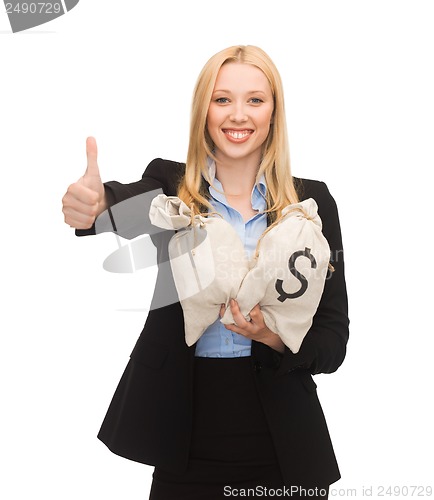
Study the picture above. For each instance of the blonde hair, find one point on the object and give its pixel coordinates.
(275, 163)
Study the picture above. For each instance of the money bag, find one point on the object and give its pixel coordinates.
(207, 259)
(287, 274)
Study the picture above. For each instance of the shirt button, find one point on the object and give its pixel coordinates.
(226, 341)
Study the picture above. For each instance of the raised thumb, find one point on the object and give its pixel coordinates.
(92, 178)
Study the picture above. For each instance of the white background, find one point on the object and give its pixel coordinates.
(359, 83)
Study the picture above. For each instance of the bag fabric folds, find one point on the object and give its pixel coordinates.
(207, 259)
(286, 277)
(287, 274)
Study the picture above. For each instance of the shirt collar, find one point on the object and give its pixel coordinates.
(261, 188)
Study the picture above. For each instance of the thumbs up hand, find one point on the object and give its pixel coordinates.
(85, 199)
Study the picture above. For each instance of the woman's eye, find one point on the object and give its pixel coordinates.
(256, 100)
(222, 100)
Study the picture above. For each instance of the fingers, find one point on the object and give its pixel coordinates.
(78, 220)
(239, 319)
(255, 314)
(255, 329)
(242, 326)
(78, 193)
(80, 206)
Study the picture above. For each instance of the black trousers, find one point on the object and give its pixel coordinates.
(231, 449)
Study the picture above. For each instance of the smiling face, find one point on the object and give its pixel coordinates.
(240, 112)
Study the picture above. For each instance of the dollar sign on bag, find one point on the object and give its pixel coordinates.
(304, 284)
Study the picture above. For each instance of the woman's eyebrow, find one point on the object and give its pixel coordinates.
(248, 92)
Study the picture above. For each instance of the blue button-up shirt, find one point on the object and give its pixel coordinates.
(217, 341)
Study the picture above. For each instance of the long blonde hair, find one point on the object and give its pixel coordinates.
(275, 163)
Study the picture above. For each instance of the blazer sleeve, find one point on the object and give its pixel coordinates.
(324, 346)
(128, 204)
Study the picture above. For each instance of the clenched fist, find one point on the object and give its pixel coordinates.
(85, 199)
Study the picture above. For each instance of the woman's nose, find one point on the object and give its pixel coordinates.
(238, 113)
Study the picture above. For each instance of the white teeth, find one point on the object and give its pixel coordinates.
(237, 135)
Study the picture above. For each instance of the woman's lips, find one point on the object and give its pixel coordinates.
(237, 135)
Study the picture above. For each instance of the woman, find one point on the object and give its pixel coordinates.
(237, 412)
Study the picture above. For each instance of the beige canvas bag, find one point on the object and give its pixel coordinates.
(207, 259)
(287, 274)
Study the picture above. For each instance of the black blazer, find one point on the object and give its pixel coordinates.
(149, 419)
